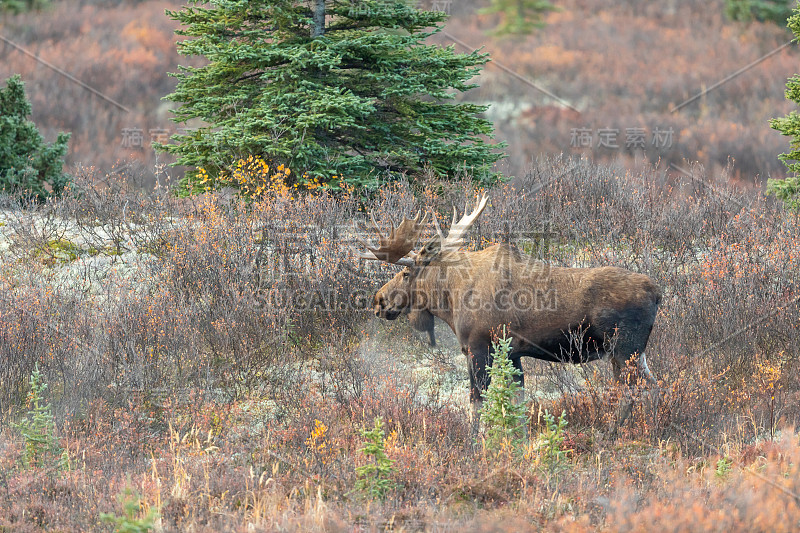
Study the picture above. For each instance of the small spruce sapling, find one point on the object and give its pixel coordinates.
(375, 477)
(723, 467)
(503, 418)
(38, 428)
(133, 520)
(551, 452)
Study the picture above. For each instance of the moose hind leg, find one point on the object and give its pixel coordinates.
(654, 394)
(628, 384)
(645, 370)
(622, 387)
(616, 367)
(623, 411)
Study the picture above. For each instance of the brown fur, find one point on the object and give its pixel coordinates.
(422, 320)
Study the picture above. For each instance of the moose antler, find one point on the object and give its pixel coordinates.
(396, 248)
(455, 237)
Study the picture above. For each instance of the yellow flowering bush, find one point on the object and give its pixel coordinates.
(255, 177)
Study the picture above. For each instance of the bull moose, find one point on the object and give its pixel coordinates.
(556, 314)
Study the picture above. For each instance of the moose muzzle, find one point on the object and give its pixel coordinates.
(381, 310)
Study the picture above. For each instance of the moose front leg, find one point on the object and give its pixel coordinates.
(519, 378)
(478, 382)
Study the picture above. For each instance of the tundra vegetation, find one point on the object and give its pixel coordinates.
(218, 361)
(214, 364)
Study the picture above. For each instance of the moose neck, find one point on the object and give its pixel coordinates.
(442, 283)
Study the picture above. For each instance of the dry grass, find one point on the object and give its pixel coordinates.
(217, 358)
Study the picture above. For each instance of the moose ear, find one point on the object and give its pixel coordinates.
(430, 250)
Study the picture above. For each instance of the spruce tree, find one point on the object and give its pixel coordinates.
(777, 11)
(28, 165)
(15, 7)
(788, 190)
(518, 17)
(343, 93)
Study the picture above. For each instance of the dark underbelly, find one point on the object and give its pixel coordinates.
(562, 351)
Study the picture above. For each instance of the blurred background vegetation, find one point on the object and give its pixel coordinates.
(621, 66)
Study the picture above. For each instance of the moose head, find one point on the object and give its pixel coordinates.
(403, 294)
